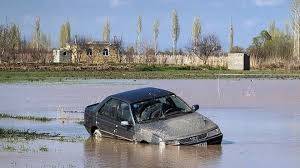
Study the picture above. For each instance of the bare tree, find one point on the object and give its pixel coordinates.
(148, 52)
(36, 41)
(10, 38)
(39, 40)
(5, 42)
(15, 37)
(196, 35)
(295, 14)
(287, 29)
(81, 39)
(15, 49)
(65, 34)
(139, 32)
(68, 32)
(81, 46)
(156, 25)
(48, 40)
(119, 44)
(210, 46)
(237, 49)
(106, 30)
(129, 53)
(62, 36)
(175, 30)
(231, 37)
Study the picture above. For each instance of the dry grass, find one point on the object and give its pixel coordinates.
(42, 119)
(26, 134)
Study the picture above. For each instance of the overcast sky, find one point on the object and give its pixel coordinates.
(87, 16)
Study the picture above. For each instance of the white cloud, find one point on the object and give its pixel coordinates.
(268, 2)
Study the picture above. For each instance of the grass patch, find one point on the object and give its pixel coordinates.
(80, 122)
(144, 67)
(71, 139)
(141, 71)
(44, 149)
(9, 148)
(42, 119)
(23, 148)
(26, 134)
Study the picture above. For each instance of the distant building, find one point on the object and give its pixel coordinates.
(91, 52)
(62, 56)
(238, 61)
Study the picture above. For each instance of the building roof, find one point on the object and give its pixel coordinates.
(143, 94)
(92, 43)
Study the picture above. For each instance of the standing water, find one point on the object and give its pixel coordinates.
(260, 120)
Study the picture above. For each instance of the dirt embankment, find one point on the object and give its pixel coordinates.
(64, 67)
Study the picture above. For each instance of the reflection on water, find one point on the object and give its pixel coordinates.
(105, 152)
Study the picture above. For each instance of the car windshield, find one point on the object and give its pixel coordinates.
(159, 108)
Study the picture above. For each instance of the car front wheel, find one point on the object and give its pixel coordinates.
(97, 134)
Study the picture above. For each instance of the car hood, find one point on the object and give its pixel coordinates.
(179, 127)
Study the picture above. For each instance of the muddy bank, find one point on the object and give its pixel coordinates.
(63, 67)
(101, 67)
(22, 73)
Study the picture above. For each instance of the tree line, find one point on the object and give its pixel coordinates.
(201, 46)
(16, 48)
(271, 45)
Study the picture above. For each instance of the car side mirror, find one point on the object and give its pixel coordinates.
(196, 107)
(125, 123)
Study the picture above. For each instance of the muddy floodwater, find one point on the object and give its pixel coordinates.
(260, 120)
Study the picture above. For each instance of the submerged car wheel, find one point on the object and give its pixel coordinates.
(97, 133)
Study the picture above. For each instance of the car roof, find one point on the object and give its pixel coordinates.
(142, 94)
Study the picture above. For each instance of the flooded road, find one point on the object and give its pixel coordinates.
(260, 120)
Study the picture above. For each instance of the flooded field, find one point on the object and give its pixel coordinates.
(260, 120)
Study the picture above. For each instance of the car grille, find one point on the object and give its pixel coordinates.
(193, 140)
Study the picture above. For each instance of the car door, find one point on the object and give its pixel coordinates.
(106, 118)
(124, 114)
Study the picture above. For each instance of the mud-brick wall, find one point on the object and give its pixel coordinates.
(175, 60)
(80, 55)
(99, 58)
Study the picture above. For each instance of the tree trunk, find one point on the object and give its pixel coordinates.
(174, 47)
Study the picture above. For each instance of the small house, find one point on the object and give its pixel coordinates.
(90, 52)
(61, 56)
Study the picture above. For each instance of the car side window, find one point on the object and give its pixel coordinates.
(123, 113)
(116, 110)
(110, 108)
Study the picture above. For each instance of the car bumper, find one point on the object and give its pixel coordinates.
(216, 140)
(212, 140)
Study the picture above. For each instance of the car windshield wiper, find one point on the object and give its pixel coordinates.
(176, 113)
(149, 121)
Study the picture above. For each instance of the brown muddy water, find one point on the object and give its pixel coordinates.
(260, 120)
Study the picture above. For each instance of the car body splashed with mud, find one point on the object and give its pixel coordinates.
(151, 115)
